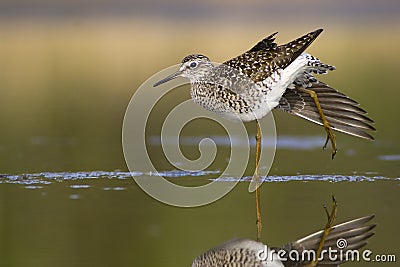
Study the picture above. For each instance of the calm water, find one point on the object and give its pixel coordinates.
(104, 219)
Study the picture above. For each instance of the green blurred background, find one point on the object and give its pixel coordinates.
(68, 70)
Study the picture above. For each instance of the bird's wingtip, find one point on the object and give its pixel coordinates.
(318, 31)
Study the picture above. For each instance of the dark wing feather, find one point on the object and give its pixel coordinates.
(268, 43)
(342, 112)
(266, 57)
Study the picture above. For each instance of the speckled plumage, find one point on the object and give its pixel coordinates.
(270, 76)
(251, 84)
(234, 257)
(245, 252)
(266, 57)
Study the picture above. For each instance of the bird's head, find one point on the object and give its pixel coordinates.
(192, 67)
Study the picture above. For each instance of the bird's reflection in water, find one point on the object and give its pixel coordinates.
(341, 245)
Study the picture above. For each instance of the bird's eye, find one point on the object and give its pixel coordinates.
(193, 64)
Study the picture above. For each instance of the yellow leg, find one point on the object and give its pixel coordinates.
(258, 204)
(327, 230)
(330, 135)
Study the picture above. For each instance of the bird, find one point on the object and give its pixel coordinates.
(343, 240)
(270, 76)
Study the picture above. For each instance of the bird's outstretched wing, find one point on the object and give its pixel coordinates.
(266, 57)
(353, 235)
(343, 113)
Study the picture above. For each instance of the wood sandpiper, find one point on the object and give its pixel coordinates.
(281, 77)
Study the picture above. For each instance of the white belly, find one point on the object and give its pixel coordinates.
(277, 84)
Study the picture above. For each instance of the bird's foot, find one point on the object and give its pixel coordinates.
(328, 128)
(328, 227)
(330, 136)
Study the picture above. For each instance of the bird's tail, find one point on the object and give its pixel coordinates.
(343, 113)
(346, 237)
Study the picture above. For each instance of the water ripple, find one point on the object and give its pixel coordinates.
(45, 178)
(38, 180)
(389, 157)
(308, 178)
(284, 141)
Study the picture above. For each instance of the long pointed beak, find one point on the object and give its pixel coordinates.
(168, 78)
